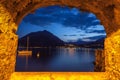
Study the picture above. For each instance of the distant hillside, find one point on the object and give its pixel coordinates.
(91, 44)
(97, 44)
(101, 40)
(41, 38)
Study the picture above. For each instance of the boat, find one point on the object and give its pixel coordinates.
(26, 52)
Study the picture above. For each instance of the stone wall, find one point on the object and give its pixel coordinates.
(13, 11)
(103, 9)
(8, 44)
(112, 56)
(58, 76)
(99, 61)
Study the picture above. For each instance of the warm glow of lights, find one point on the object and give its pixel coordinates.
(38, 55)
(71, 51)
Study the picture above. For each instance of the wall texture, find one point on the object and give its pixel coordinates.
(99, 61)
(13, 11)
(8, 44)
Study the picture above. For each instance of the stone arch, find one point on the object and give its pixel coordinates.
(12, 12)
(99, 8)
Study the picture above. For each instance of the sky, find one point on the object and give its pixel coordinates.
(69, 24)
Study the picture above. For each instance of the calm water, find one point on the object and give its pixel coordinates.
(57, 59)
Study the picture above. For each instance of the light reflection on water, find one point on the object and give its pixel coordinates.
(57, 59)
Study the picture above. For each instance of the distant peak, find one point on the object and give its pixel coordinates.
(45, 31)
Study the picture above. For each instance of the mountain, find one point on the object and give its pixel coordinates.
(91, 44)
(96, 44)
(80, 42)
(101, 40)
(41, 39)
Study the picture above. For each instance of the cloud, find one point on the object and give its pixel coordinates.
(82, 35)
(69, 17)
(95, 31)
(39, 20)
(94, 37)
(80, 21)
(71, 35)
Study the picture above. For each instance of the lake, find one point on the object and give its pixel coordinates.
(57, 60)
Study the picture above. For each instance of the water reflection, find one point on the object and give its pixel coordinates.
(57, 59)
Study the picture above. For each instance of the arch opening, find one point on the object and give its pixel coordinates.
(82, 30)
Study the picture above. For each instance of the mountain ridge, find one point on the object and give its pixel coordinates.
(41, 38)
(46, 39)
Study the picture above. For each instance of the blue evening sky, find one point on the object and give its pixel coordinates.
(69, 24)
